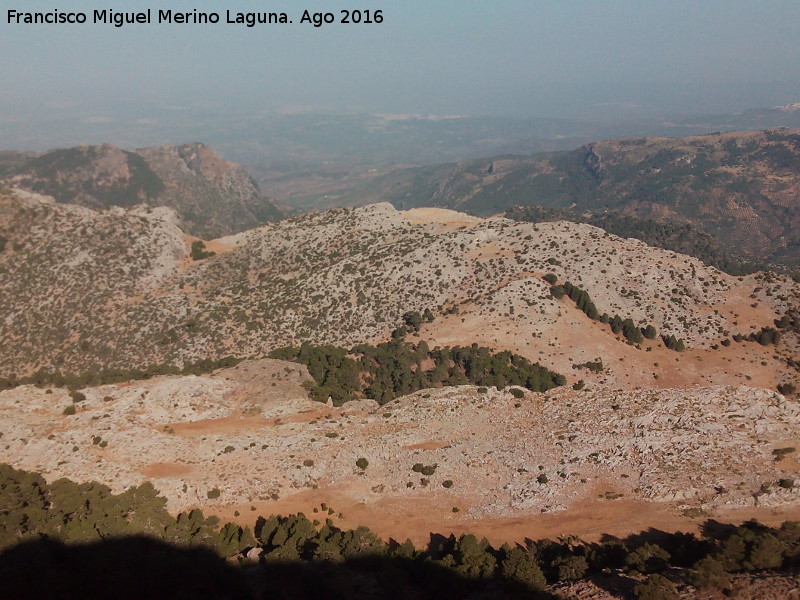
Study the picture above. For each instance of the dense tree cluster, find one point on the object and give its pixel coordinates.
(673, 343)
(595, 366)
(110, 375)
(64, 511)
(582, 300)
(397, 367)
(765, 337)
(31, 508)
(709, 561)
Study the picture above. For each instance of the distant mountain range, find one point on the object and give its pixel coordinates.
(742, 188)
(212, 197)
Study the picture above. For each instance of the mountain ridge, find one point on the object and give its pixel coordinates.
(213, 197)
(118, 288)
(743, 188)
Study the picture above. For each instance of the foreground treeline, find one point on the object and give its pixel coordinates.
(397, 367)
(708, 561)
(31, 508)
(107, 376)
(299, 558)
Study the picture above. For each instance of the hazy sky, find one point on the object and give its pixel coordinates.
(523, 57)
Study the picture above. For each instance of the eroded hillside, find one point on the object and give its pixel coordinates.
(117, 288)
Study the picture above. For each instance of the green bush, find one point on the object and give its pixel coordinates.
(710, 573)
(362, 463)
(656, 587)
(199, 251)
(396, 368)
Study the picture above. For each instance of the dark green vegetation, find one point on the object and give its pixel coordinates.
(397, 367)
(629, 330)
(674, 236)
(106, 376)
(199, 251)
(301, 558)
(765, 337)
(30, 509)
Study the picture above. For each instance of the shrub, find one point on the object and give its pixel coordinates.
(517, 393)
(362, 463)
(447, 483)
(656, 587)
(521, 565)
(779, 453)
(648, 558)
(199, 251)
(211, 494)
(70, 410)
(571, 568)
(710, 573)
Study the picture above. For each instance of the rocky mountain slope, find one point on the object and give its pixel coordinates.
(458, 458)
(643, 434)
(117, 288)
(740, 187)
(212, 197)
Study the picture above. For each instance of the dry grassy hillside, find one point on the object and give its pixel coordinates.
(117, 288)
